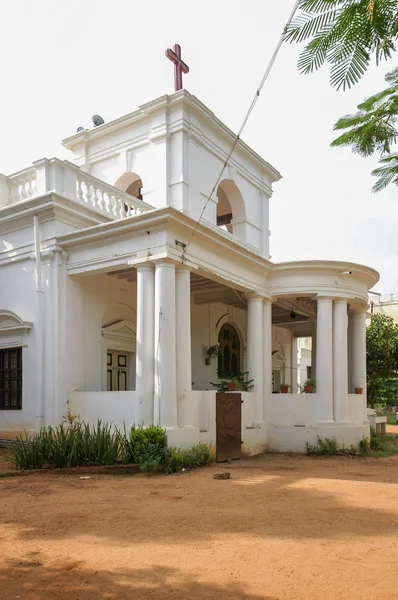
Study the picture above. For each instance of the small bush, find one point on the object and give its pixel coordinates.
(147, 446)
(174, 460)
(364, 446)
(327, 446)
(177, 459)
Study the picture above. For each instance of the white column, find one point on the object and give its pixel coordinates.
(324, 359)
(165, 345)
(183, 339)
(145, 354)
(255, 362)
(267, 357)
(340, 360)
(294, 366)
(358, 356)
(313, 352)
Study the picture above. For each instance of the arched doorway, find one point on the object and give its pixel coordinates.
(229, 363)
(230, 204)
(131, 183)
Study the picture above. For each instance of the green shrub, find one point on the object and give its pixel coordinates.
(147, 445)
(177, 459)
(174, 460)
(326, 446)
(364, 446)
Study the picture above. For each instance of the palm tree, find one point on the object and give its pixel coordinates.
(345, 34)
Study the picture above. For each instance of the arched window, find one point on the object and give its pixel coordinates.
(131, 183)
(230, 205)
(229, 351)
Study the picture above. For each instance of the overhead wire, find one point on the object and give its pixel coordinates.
(245, 120)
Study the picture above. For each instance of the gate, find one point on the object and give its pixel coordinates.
(228, 426)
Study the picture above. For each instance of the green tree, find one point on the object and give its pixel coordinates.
(346, 34)
(374, 129)
(381, 355)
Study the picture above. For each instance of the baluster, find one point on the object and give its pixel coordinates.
(101, 199)
(22, 190)
(93, 195)
(79, 190)
(30, 188)
(129, 212)
(107, 201)
(120, 208)
(14, 193)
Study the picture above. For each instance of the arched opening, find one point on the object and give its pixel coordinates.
(230, 204)
(131, 183)
(229, 351)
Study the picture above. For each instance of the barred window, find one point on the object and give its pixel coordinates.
(11, 379)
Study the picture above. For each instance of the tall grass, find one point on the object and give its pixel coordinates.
(76, 444)
(67, 445)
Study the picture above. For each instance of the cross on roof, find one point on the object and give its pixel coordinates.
(179, 66)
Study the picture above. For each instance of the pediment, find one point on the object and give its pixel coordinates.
(11, 323)
(278, 352)
(123, 328)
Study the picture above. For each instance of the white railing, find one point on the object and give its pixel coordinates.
(106, 198)
(22, 185)
(68, 180)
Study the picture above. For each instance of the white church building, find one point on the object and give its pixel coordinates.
(118, 275)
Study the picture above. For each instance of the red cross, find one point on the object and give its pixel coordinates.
(179, 66)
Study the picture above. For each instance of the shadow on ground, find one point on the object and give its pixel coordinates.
(32, 580)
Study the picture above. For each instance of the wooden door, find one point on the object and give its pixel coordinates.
(117, 371)
(228, 426)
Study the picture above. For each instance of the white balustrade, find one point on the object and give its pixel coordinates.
(23, 185)
(74, 184)
(106, 198)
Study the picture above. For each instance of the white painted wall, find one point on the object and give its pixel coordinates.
(207, 320)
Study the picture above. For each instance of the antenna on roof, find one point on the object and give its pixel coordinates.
(80, 129)
(98, 120)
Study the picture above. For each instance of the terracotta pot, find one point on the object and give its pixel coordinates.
(358, 390)
(232, 387)
(308, 389)
(284, 389)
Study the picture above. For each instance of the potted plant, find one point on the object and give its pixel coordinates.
(238, 382)
(233, 385)
(358, 390)
(309, 386)
(284, 388)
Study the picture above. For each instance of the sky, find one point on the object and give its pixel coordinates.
(62, 61)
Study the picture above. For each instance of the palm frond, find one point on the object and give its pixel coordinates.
(345, 34)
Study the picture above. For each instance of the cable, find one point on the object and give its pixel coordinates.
(249, 112)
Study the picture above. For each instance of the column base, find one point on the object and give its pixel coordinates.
(182, 437)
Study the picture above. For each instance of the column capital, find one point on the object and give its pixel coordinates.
(326, 298)
(340, 300)
(183, 269)
(165, 262)
(145, 266)
(269, 300)
(254, 297)
(360, 307)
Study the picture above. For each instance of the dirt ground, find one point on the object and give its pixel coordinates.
(282, 528)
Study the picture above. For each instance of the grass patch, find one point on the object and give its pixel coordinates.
(328, 447)
(380, 446)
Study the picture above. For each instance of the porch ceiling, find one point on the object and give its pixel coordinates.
(296, 314)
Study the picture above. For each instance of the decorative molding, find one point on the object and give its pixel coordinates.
(11, 324)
